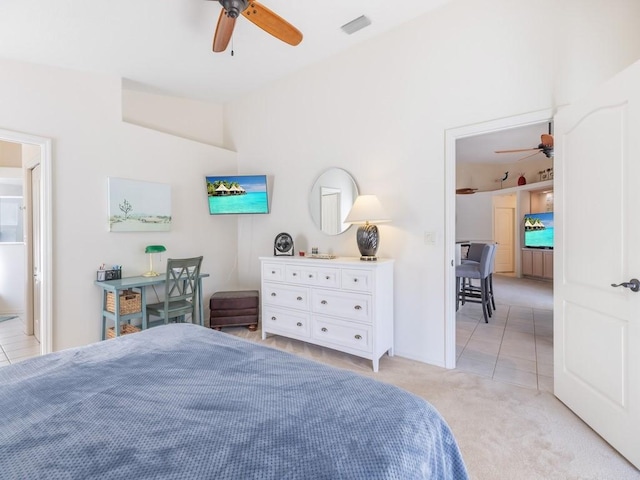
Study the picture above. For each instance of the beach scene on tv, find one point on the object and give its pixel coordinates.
(237, 194)
(538, 230)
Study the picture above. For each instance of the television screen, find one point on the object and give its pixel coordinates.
(538, 230)
(229, 194)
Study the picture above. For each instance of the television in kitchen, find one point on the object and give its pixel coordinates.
(538, 230)
(237, 194)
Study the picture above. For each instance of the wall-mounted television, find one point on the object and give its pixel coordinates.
(538, 230)
(237, 194)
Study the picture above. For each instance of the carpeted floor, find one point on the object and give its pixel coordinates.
(504, 431)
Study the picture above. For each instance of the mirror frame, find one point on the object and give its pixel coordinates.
(334, 182)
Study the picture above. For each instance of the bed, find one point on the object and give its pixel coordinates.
(185, 402)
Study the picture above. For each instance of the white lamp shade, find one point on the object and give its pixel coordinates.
(367, 208)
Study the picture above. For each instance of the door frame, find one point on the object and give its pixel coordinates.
(451, 135)
(46, 318)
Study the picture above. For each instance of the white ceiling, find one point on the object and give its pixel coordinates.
(165, 45)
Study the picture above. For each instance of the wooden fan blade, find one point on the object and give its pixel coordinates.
(546, 140)
(224, 30)
(272, 23)
(516, 151)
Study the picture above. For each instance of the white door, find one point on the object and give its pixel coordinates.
(35, 248)
(597, 225)
(503, 236)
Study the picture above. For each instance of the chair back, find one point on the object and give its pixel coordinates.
(492, 267)
(486, 260)
(475, 252)
(182, 280)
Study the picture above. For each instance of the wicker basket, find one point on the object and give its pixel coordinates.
(124, 329)
(130, 302)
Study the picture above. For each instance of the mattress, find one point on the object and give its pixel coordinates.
(182, 401)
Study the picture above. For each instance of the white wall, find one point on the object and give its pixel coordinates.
(380, 111)
(81, 113)
(474, 217)
(192, 119)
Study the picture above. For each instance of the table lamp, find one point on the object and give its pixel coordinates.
(151, 249)
(367, 211)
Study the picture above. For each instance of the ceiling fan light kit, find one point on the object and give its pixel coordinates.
(233, 8)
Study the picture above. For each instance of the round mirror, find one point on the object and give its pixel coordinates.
(330, 200)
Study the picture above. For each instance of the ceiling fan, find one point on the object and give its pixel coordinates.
(545, 146)
(256, 13)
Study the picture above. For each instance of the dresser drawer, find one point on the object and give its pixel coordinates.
(286, 296)
(288, 322)
(341, 304)
(342, 333)
(305, 275)
(357, 280)
(274, 272)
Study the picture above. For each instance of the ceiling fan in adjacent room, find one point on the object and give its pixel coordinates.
(545, 146)
(256, 13)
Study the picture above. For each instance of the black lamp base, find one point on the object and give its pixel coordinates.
(368, 239)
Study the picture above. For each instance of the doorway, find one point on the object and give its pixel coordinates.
(37, 181)
(451, 137)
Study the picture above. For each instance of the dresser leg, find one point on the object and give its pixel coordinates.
(376, 363)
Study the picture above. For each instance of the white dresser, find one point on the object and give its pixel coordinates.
(343, 303)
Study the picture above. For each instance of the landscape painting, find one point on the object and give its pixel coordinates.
(137, 206)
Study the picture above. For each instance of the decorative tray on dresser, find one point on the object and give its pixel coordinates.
(341, 303)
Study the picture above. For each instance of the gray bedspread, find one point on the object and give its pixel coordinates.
(186, 402)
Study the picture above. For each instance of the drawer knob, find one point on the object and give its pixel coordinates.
(327, 277)
(323, 302)
(358, 307)
(295, 274)
(324, 329)
(355, 280)
(273, 272)
(273, 294)
(273, 318)
(299, 324)
(310, 275)
(299, 298)
(358, 337)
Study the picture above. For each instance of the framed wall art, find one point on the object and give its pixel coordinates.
(137, 206)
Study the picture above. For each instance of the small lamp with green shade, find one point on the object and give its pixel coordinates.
(151, 249)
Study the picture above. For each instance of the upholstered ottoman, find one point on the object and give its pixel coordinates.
(239, 308)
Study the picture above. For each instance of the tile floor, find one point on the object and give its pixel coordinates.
(15, 346)
(516, 346)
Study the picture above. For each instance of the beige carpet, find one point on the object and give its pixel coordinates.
(504, 431)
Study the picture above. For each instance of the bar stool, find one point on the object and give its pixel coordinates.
(481, 271)
(473, 257)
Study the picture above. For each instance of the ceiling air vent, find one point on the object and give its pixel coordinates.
(354, 25)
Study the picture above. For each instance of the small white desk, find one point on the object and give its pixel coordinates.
(139, 284)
